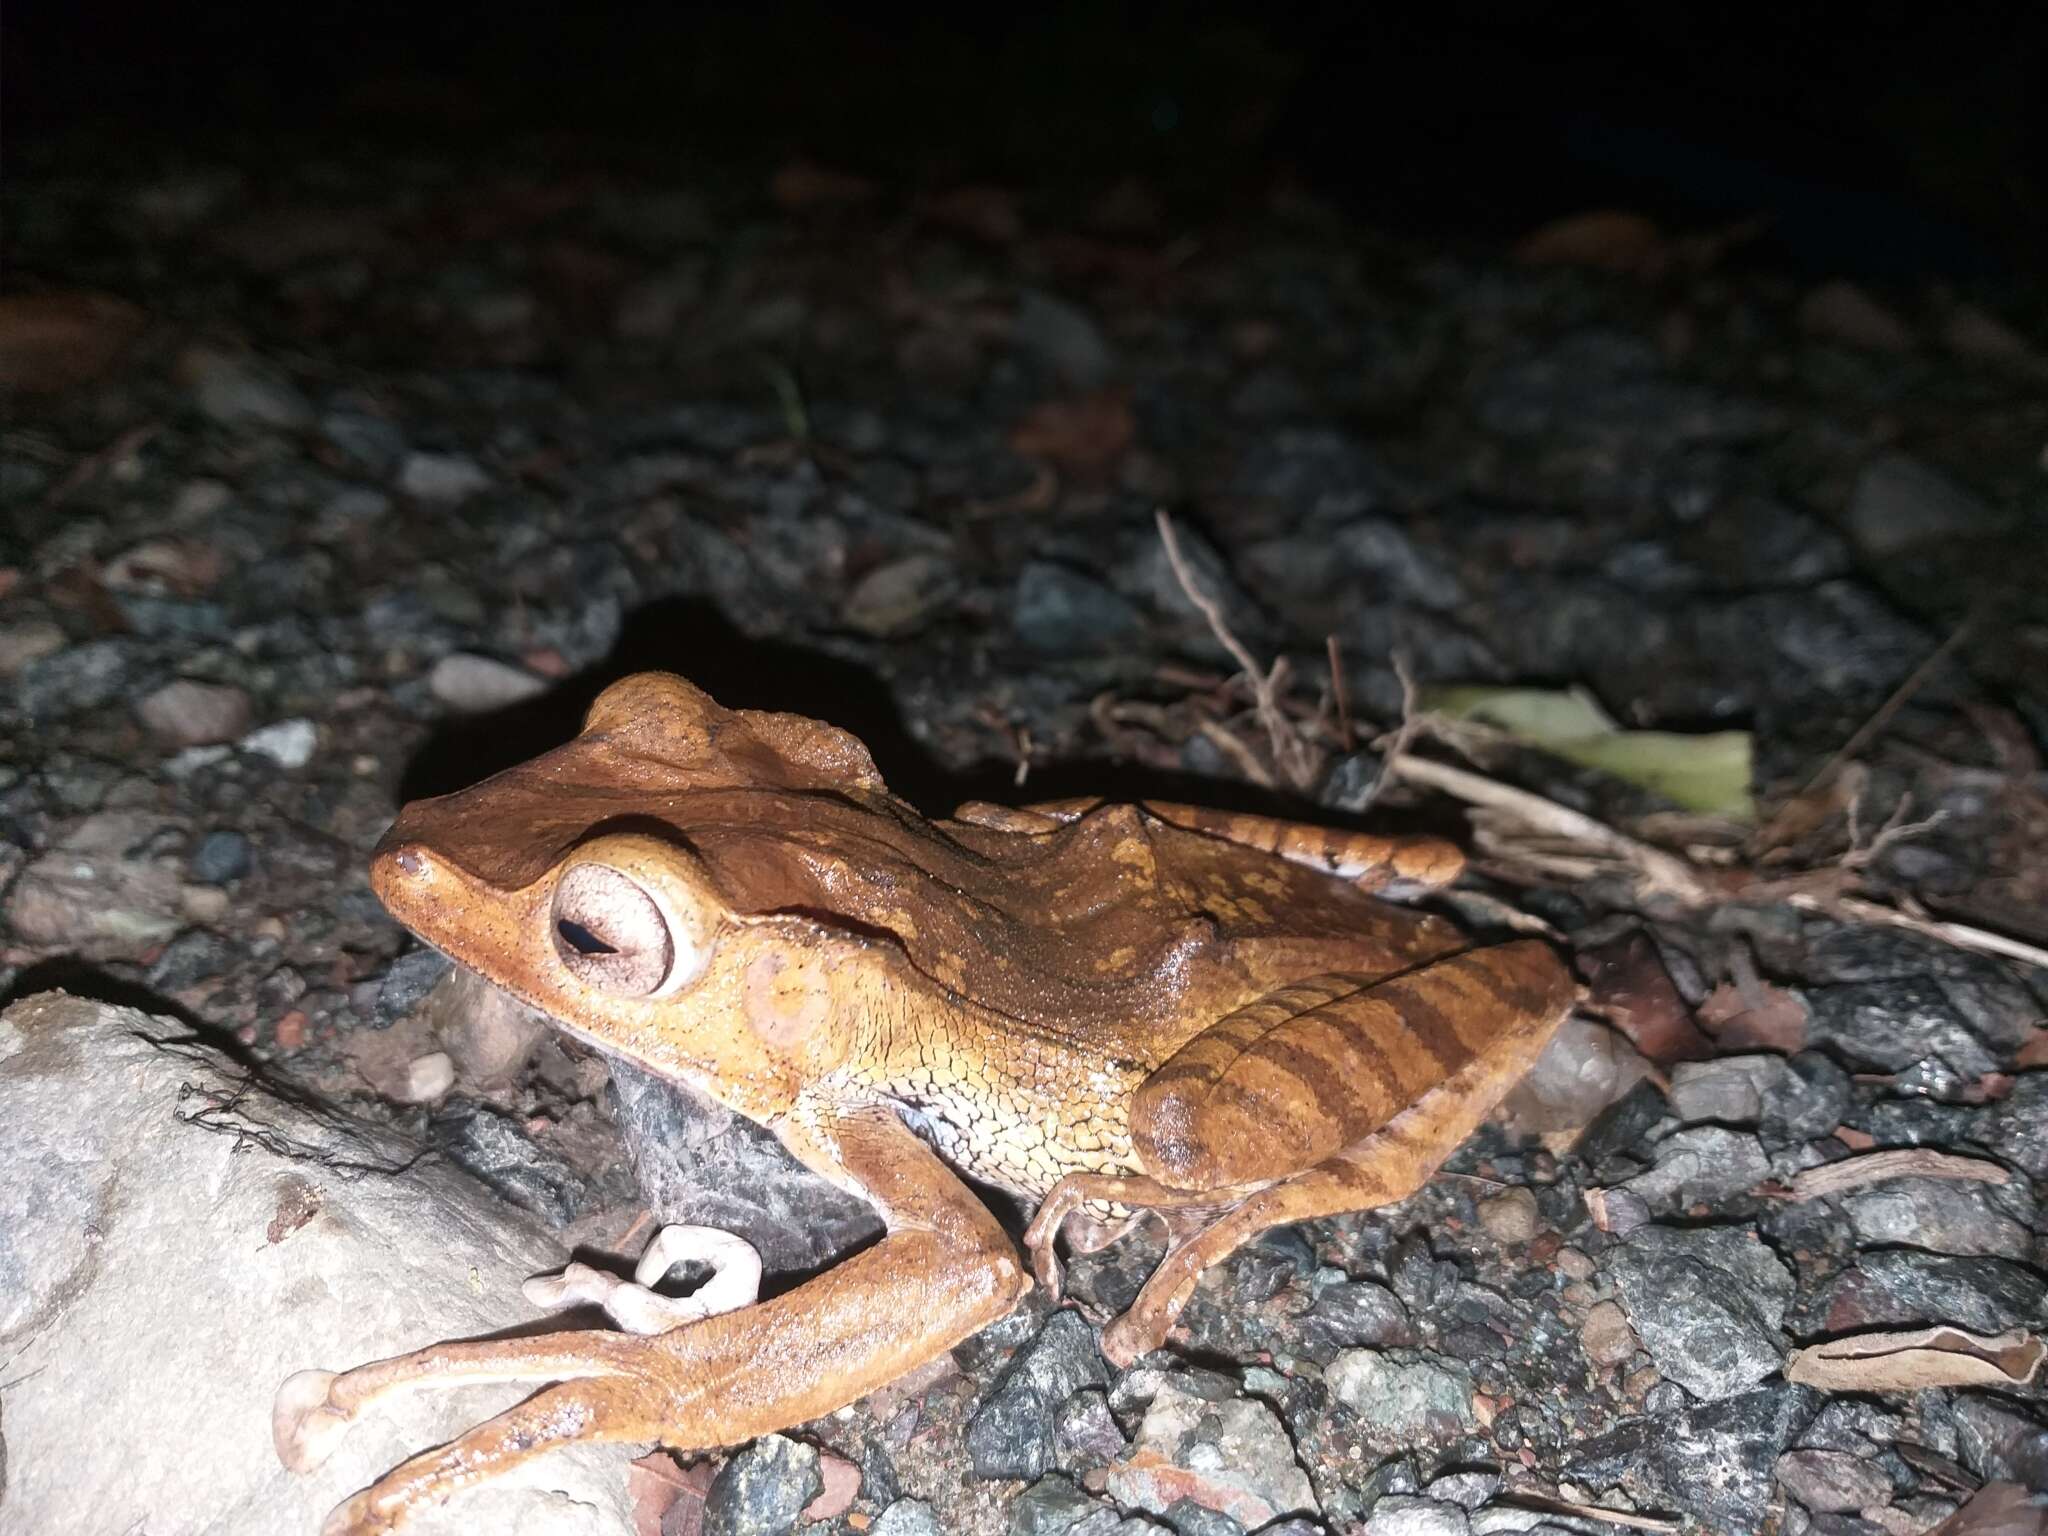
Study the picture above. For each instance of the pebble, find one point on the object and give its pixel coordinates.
(1085, 1432)
(900, 596)
(1900, 503)
(1606, 1336)
(1833, 1482)
(223, 855)
(1231, 1456)
(1701, 1163)
(1012, 1431)
(1402, 1394)
(1353, 1313)
(475, 684)
(185, 713)
(841, 1479)
(445, 479)
(1575, 1264)
(1941, 1215)
(1841, 311)
(238, 389)
(1511, 1217)
(907, 1517)
(1062, 612)
(428, 1078)
(27, 642)
(763, 1490)
(287, 743)
(1400, 1514)
(1715, 1461)
(1707, 1303)
(1901, 1287)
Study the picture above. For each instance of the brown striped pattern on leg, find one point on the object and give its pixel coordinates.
(1498, 1007)
(1294, 1078)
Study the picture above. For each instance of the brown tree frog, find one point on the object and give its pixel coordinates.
(1118, 1012)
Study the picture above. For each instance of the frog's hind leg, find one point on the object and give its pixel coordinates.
(1332, 1095)
(1387, 866)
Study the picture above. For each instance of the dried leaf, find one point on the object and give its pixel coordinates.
(1083, 437)
(1606, 239)
(1757, 1017)
(1707, 772)
(1910, 1359)
(1631, 987)
(801, 186)
(2033, 1051)
(58, 339)
(653, 1483)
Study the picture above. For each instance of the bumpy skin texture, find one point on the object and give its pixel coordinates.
(1109, 1009)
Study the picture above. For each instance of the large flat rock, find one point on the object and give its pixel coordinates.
(176, 1239)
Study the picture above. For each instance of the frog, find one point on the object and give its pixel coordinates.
(1122, 1014)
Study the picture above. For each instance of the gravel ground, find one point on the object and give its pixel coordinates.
(331, 485)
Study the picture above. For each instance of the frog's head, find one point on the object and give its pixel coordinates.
(573, 882)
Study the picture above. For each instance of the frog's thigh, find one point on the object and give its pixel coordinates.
(1372, 1089)
(1279, 1086)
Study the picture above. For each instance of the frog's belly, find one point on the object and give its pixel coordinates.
(1023, 1153)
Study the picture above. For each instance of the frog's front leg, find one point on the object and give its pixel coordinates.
(943, 1270)
(1333, 1094)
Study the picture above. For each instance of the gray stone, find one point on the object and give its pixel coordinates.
(185, 713)
(1715, 1461)
(477, 684)
(313, 1241)
(1944, 1216)
(1051, 1506)
(1085, 1432)
(1901, 1287)
(1353, 1313)
(1900, 503)
(1012, 1431)
(494, 1147)
(1063, 336)
(1062, 612)
(1404, 1395)
(235, 389)
(103, 891)
(1401, 1514)
(1707, 1303)
(446, 479)
(287, 743)
(763, 1489)
(2019, 1127)
(223, 855)
(1231, 1456)
(699, 1163)
(1700, 1163)
(1830, 1482)
(907, 1517)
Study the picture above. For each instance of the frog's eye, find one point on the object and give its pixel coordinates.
(612, 934)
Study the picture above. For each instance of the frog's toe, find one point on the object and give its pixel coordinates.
(735, 1266)
(304, 1423)
(1128, 1339)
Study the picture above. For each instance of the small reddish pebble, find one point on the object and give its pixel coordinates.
(291, 1031)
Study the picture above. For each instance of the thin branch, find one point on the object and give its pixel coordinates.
(1882, 717)
(1662, 872)
(1290, 753)
(1961, 935)
(1893, 1163)
(1404, 733)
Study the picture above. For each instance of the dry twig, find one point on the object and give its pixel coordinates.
(1894, 1163)
(1292, 754)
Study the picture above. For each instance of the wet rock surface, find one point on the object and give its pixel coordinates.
(402, 470)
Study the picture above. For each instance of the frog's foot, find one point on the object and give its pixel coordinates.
(639, 1308)
(1132, 1198)
(305, 1426)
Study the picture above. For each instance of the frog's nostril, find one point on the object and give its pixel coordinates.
(609, 933)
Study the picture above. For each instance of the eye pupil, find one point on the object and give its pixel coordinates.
(609, 933)
(582, 939)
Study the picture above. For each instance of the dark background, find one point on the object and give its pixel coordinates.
(1880, 139)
